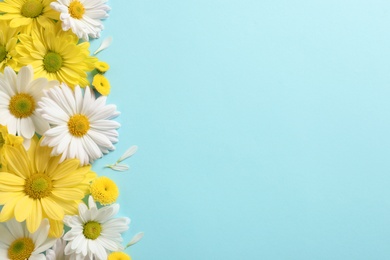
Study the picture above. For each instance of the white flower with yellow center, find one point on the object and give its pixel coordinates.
(82, 16)
(94, 231)
(17, 243)
(82, 125)
(19, 97)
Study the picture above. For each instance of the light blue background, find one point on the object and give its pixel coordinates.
(263, 127)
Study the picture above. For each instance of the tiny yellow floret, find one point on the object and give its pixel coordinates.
(102, 66)
(118, 256)
(101, 84)
(104, 190)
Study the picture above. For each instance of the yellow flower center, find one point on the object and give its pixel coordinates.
(92, 230)
(104, 190)
(118, 256)
(76, 9)
(3, 53)
(21, 249)
(32, 9)
(52, 62)
(21, 105)
(38, 186)
(78, 125)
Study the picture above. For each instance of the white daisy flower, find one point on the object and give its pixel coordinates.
(94, 231)
(19, 97)
(81, 124)
(82, 16)
(17, 243)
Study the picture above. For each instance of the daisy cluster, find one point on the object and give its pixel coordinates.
(54, 123)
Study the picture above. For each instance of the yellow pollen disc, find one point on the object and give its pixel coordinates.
(104, 190)
(92, 230)
(21, 249)
(3, 53)
(32, 9)
(21, 105)
(118, 256)
(78, 125)
(76, 9)
(38, 186)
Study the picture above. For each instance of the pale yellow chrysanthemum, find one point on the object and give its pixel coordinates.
(37, 186)
(118, 256)
(104, 190)
(8, 41)
(56, 55)
(28, 15)
(7, 140)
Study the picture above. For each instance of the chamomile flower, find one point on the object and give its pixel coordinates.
(19, 96)
(83, 17)
(94, 231)
(82, 125)
(56, 55)
(104, 190)
(28, 15)
(16, 242)
(38, 186)
(8, 41)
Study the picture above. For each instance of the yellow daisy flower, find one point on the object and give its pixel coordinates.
(37, 186)
(8, 40)
(56, 56)
(104, 190)
(101, 84)
(118, 256)
(7, 140)
(29, 15)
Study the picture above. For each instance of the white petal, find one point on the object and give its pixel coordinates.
(135, 239)
(105, 44)
(130, 152)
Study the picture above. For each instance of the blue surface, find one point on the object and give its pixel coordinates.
(263, 127)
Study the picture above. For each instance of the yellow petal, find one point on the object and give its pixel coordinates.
(17, 161)
(56, 228)
(52, 209)
(23, 208)
(10, 182)
(52, 165)
(6, 196)
(64, 168)
(69, 181)
(68, 194)
(42, 157)
(34, 220)
(31, 150)
(8, 210)
(70, 207)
